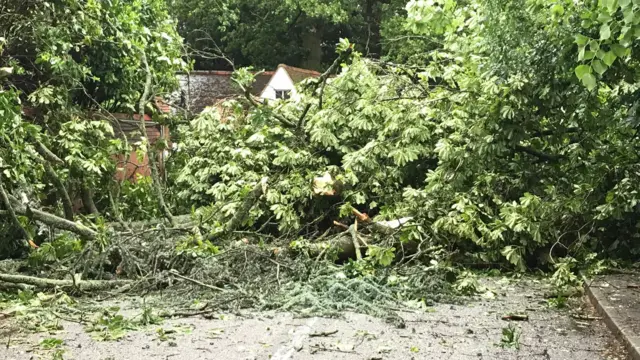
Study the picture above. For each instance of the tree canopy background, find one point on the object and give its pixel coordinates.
(297, 33)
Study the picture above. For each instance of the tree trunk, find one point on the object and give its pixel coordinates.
(312, 41)
(87, 200)
(373, 16)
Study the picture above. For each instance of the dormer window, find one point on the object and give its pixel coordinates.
(283, 94)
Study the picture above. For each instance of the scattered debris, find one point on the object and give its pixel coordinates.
(323, 333)
(510, 337)
(516, 317)
(586, 317)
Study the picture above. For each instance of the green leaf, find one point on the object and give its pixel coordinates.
(629, 16)
(513, 254)
(582, 70)
(581, 52)
(619, 50)
(604, 17)
(605, 32)
(588, 55)
(598, 67)
(611, 5)
(581, 39)
(609, 58)
(589, 81)
(624, 3)
(557, 10)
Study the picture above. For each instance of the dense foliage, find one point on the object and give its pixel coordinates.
(64, 66)
(297, 33)
(514, 141)
(502, 133)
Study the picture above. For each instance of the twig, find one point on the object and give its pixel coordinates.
(338, 224)
(323, 333)
(322, 348)
(353, 229)
(175, 273)
(586, 317)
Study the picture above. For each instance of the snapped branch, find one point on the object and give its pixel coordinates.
(155, 176)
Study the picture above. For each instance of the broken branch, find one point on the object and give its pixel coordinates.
(85, 285)
(176, 274)
(12, 215)
(155, 176)
(53, 220)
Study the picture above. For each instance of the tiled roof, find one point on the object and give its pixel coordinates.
(206, 88)
(262, 79)
(299, 74)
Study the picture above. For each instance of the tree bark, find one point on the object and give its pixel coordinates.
(47, 154)
(11, 213)
(84, 285)
(373, 17)
(48, 157)
(87, 200)
(67, 205)
(312, 41)
(151, 153)
(53, 220)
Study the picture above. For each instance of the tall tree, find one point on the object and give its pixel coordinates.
(266, 33)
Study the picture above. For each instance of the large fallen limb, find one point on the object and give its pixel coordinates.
(53, 220)
(10, 287)
(86, 285)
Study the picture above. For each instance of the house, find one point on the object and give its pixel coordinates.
(282, 84)
(201, 89)
(127, 126)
